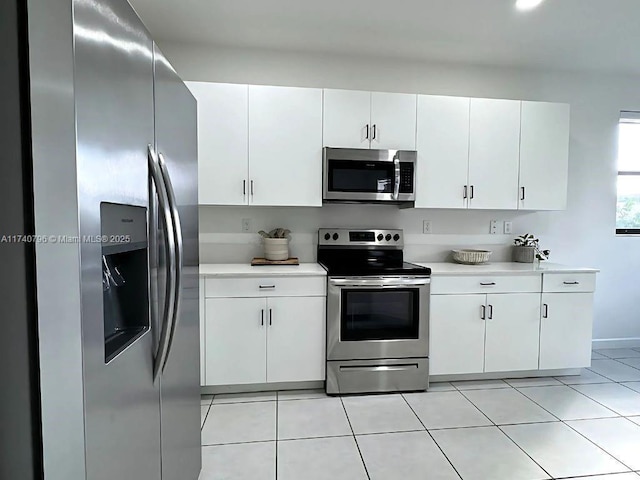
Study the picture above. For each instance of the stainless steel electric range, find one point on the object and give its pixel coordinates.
(377, 313)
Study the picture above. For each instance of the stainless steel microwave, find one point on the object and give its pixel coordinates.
(353, 175)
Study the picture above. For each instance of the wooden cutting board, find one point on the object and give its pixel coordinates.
(257, 261)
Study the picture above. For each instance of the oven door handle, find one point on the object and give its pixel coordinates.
(377, 283)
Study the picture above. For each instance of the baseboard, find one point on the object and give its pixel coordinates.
(504, 375)
(615, 343)
(260, 387)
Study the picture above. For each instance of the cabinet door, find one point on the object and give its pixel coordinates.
(443, 151)
(347, 118)
(544, 156)
(285, 146)
(236, 340)
(565, 330)
(223, 149)
(296, 339)
(494, 153)
(393, 121)
(456, 334)
(513, 332)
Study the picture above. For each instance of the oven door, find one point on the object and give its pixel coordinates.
(383, 317)
(353, 175)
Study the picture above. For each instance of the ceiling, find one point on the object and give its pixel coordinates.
(600, 35)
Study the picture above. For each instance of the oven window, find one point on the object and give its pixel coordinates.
(375, 314)
(352, 176)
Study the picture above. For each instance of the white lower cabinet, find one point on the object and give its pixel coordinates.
(513, 332)
(456, 334)
(522, 322)
(236, 342)
(264, 340)
(566, 329)
(295, 339)
(484, 333)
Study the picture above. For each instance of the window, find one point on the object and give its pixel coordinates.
(628, 205)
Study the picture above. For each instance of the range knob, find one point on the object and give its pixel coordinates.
(388, 237)
(380, 237)
(336, 236)
(396, 237)
(327, 236)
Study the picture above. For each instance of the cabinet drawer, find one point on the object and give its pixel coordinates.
(569, 282)
(265, 287)
(485, 284)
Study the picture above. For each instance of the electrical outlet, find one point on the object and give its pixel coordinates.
(493, 227)
(508, 227)
(427, 226)
(246, 224)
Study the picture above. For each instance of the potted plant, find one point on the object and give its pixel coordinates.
(527, 249)
(276, 243)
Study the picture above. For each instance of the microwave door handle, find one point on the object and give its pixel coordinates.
(396, 185)
(169, 245)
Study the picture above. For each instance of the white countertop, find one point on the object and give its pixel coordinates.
(502, 268)
(246, 270)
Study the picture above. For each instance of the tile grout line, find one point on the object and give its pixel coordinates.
(596, 401)
(355, 439)
(510, 439)
(277, 439)
(431, 436)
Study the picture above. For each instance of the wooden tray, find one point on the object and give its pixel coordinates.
(257, 261)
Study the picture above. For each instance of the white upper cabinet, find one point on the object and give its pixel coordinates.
(355, 119)
(285, 146)
(494, 152)
(347, 118)
(393, 121)
(223, 123)
(443, 152)
(544, 156)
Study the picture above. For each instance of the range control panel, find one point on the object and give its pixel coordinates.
(361, 237)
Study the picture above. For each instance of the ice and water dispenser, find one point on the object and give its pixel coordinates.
(125, 279)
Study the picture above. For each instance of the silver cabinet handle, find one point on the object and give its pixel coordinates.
(545, 310)
(487, 284)
(244, 187)
(367, 134)
(471, 191)
(270, 317)
(464, 195)
(571, 283)
(379, 368)
(252, 188)
(375, 131)
(169, 245)
(483, 312)
(267, 286)
(396, 185)
(262, 317)
(179, 250)
(522, 193)
(490, 312)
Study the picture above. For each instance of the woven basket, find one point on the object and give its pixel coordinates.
(471, 257)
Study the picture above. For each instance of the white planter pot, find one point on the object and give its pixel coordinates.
(276, 248)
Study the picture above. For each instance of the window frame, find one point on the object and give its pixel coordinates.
(627, 117)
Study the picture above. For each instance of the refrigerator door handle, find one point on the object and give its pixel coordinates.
(169, 298)
(179, 250)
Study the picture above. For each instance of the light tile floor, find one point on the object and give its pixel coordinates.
(585, 427)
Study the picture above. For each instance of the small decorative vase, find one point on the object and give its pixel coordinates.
(276, 248)
(524, 254)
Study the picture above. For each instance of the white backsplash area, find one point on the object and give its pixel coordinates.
(222, 239)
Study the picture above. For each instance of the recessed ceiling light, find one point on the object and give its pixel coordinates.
(527, 4)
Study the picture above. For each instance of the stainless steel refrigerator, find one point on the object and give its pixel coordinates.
(99, 229)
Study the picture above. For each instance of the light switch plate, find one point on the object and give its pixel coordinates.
(493, 227)
(427, 226)
(508, 228)
(246, 224)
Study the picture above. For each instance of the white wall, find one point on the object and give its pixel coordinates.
(582, 235)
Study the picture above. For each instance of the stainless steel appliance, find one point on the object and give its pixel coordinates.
(369, 176)
(103, 307)
(377, 313)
